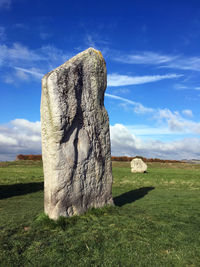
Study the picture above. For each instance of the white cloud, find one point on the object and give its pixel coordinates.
(115, 79)
(181, 86)
(177, 123)
(166, 61)
(123, 142)
(146, 57)
(121, 98)
(95, 40)
(9, 79)
(5, 4)
(53, 56)
(21, 75)
(32, 71)
(29, 63)
(183, 63)
(138, 107)
(89, 40)
(121, 90)
(172, 119)
(17, 53)
(25, 125)
(20, 136)
(187, 112)
(7, 140)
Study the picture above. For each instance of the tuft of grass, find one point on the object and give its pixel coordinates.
(155, 220)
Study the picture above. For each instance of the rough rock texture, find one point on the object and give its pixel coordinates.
(137, 165)
(75, 136)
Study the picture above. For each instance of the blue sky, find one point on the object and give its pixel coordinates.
(152, 54)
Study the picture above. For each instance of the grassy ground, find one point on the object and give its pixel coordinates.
(155, 221)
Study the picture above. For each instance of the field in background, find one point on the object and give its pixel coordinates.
(155, 220)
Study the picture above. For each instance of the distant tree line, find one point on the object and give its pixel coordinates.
(28, 157)
(123, 158)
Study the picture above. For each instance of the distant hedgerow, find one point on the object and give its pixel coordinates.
(28, 157)
(125, 158)
(113, 158)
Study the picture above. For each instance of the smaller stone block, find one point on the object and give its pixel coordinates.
(138, 165)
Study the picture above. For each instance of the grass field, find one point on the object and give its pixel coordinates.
(155, 220)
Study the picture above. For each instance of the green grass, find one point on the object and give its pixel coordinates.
(155, 220)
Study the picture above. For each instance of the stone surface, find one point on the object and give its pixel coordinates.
(138, 165)
(75, 136)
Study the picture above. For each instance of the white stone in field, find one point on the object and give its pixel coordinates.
(75, 136)
(138, 165)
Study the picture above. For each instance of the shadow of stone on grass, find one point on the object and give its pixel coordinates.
(12, 190)
(131, 196)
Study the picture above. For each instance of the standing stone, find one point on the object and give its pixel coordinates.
(138, 165)
(75, 136)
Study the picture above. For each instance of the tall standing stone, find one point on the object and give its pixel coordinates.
(75, 136)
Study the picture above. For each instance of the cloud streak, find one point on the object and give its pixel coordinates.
(147, 58)
(115, 79)
(29, 63)
(163, 61)
(173, 119)
(138, 107)
(5, 4)
(33, 72)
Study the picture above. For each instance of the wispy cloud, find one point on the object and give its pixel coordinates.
(176, 123)
(148, 58)
(95, 40)
(23, 74)
(5, 4)
(183, 63)
(138, 107)
(179, 86)
(121, 98)
(17, 53)
(160, 60)
(171, 119)
(187, 112)
(89, 40)
(115, 79)
(29, 63)
(32, 71)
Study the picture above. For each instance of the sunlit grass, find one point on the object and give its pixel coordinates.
(155, 220)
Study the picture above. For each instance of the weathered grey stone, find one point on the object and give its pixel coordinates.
(138, 165)
(75, 136)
